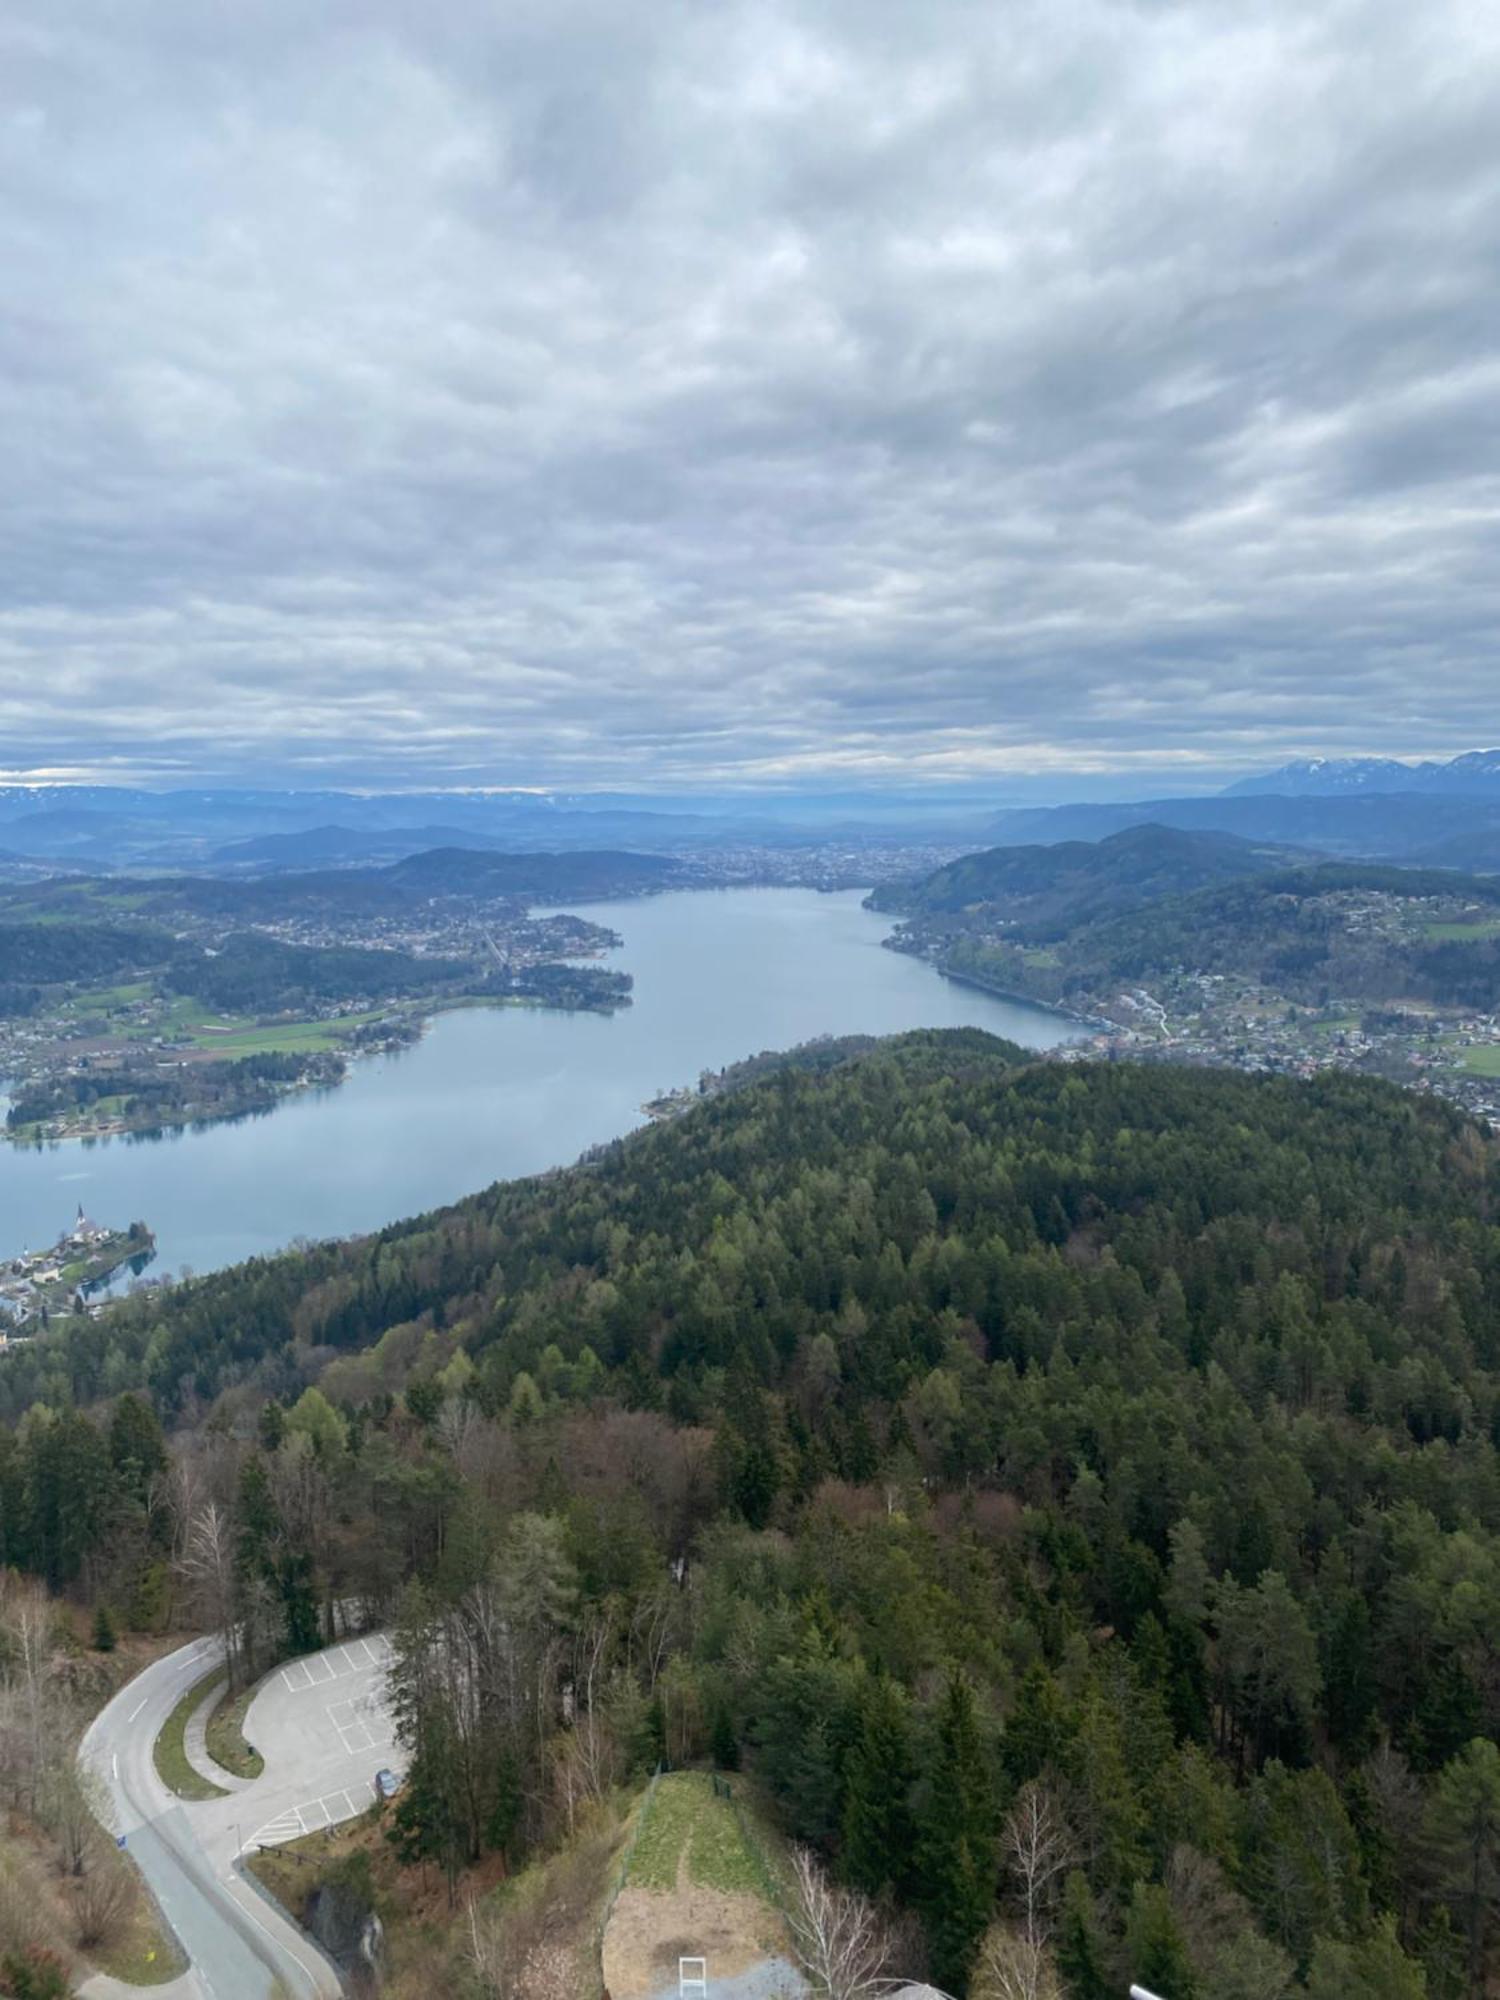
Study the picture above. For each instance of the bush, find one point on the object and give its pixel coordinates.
(34, 1973)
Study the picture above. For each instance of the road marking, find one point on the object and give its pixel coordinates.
(318, 1669)
(114, 1765)
(361, 1725)
(138, 1707)
(312, 1817)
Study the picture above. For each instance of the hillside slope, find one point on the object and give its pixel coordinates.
(945, 1436)
(1049, 889)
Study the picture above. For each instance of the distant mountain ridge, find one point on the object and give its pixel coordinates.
(441, 875)
(101, 826)
(1391, 826)
(1475, 773)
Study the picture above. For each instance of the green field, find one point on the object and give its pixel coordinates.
(1345, 1025)
(1484, 1060)
(249, 1038)
(285, 1038)
(106, 999)
(684, 1815)
(1488, 927)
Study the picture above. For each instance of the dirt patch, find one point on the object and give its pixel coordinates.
(651, 1929)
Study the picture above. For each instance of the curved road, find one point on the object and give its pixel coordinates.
(321, 1727)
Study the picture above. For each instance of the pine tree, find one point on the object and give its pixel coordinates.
(956, 1861)
(877, 1826)
(1037, 1730)
(104, 1630)
(1351, 1693)
(1080, 1947)
(1154, 1948)
(1464, 1826)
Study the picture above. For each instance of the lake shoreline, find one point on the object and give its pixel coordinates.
(502, 1091)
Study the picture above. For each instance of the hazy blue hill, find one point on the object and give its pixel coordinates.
(452, 871)
(1388, 826)
(444, 873)
(340, 846)
(1072, 882)
(1476, 853)
(458, 873)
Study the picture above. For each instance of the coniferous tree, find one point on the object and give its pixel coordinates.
(956, 1859)
(877, 1827)
(1155, 1952)
(1081, 1947)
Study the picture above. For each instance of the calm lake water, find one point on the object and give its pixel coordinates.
(491, 1093)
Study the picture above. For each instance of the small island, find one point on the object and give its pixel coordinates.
(37, 1283)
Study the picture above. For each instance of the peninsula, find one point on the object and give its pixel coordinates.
(37, 1283)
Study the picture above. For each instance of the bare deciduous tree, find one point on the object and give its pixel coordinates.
(1015, 1968)
(1037, 1850)
(70, 1807)
(839, 1937)
(206, 1561)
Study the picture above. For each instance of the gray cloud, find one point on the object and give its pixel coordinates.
(749, 391)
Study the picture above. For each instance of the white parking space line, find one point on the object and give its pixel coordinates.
(312, 1817)
(360, 1725)
(318, 1669)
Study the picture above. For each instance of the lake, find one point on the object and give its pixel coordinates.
(491, 1093)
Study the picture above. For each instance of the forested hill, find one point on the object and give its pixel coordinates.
(1374, 932)
(1367, 932)
(1049, 889)
(445, 874)
(1123, 1433)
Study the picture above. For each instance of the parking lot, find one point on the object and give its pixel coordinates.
(355, 1656)
(324, 1727)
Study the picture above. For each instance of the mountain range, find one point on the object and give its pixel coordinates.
(1475, 774)
(1415, 827)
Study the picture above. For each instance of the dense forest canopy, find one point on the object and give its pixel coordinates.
(1050, 889)
(947, 1437)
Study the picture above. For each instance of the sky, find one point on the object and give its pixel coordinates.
(849, 392)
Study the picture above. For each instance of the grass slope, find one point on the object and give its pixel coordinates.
(684, 1817)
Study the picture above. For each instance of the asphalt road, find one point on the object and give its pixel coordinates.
(320, 1724)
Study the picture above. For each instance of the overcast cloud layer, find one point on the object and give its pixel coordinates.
(564, 392)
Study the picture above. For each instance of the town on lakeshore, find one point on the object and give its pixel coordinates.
(37, 1283)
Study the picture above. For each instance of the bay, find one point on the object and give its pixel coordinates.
(491, 1093)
